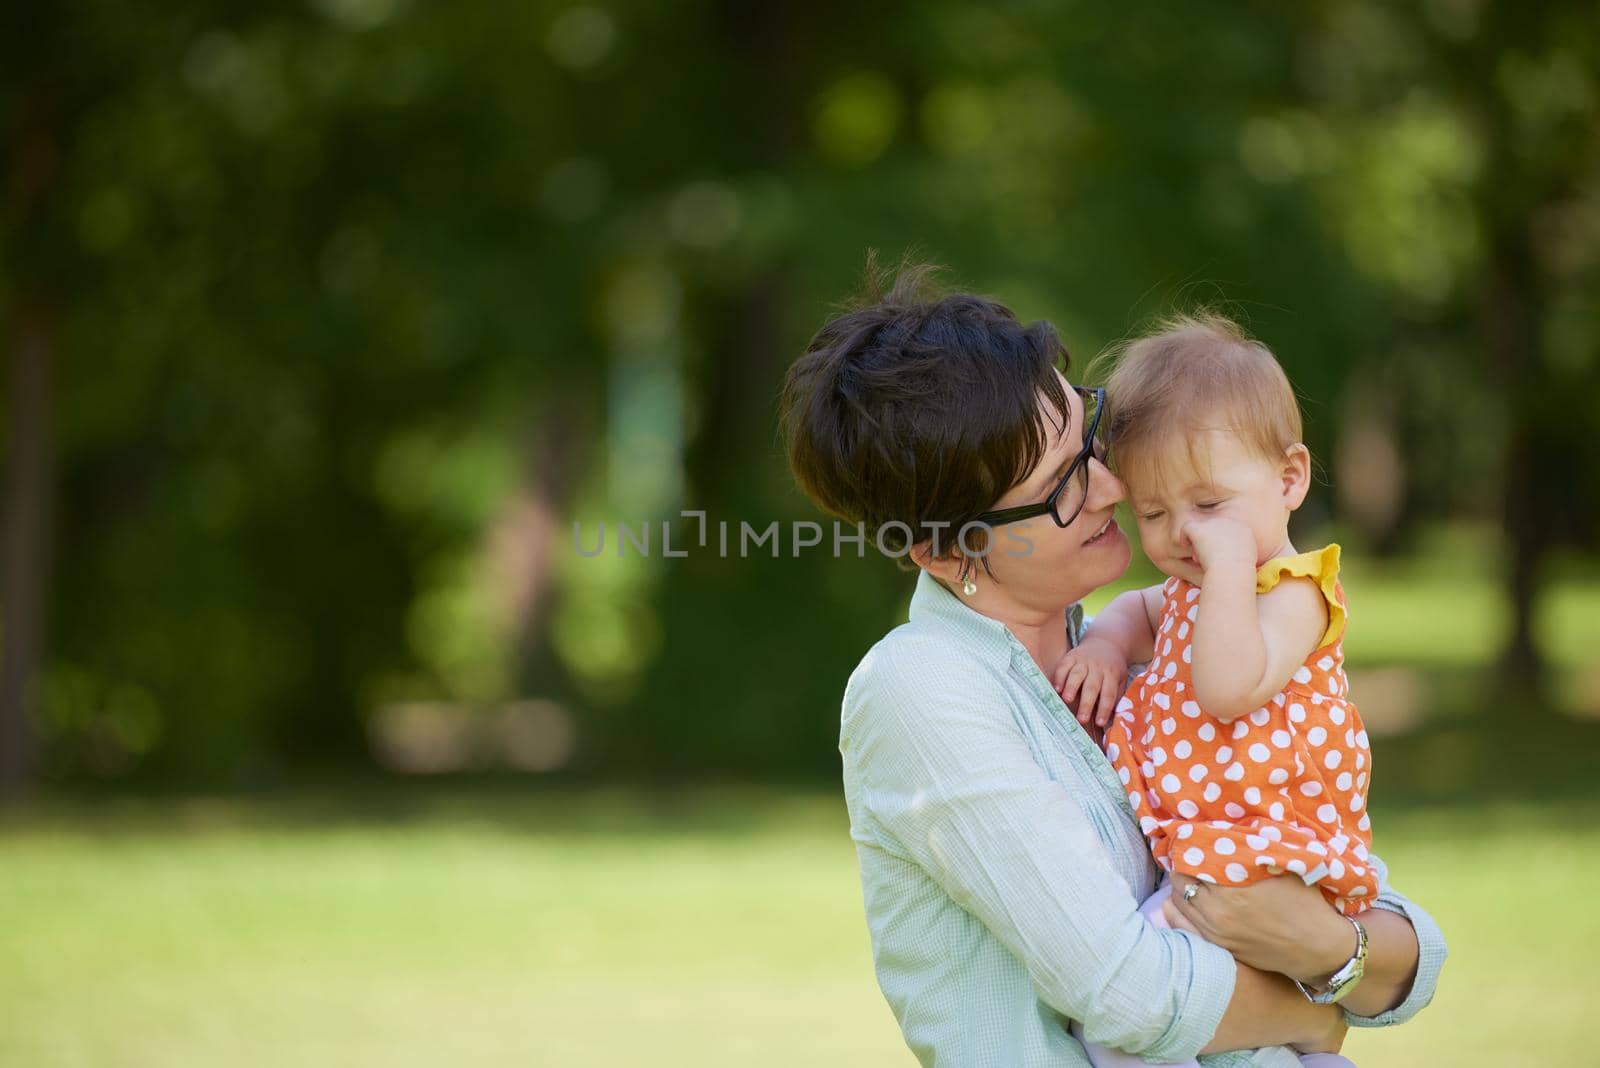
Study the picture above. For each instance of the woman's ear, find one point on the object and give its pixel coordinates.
(941, 567)
(1296, 475)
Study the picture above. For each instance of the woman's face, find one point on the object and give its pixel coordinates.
(1042, 566)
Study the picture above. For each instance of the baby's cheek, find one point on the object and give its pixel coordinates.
(1270, 527)
(1150, 537)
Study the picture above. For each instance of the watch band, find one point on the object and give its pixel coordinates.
(1345, 979)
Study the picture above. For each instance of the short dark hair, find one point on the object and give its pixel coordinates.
(920, 406)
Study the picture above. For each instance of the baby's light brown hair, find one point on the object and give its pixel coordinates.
(1196, 372)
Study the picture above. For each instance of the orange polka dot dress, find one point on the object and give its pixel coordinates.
(1283, 789)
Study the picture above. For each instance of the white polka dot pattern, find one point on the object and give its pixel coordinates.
(1288, 778)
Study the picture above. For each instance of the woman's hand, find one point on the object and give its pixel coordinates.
(1277, 925)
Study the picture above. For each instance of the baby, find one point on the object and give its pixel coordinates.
(1241, 752)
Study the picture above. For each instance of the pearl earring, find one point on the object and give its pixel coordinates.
(969, 587)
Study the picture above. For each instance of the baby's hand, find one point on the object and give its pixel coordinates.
(1090, 679)
(1220, 541)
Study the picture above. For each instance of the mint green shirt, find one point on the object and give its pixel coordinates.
(1002, 868)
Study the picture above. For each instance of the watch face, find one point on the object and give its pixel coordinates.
(1341, 987)
(1351, 971)
(1345, 979)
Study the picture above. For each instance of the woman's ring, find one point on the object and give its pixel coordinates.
(1190, 891)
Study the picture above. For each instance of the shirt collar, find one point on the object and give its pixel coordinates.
(934, 605)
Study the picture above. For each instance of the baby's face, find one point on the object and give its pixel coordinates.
(1218, 475)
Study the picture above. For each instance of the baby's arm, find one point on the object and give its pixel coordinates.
(1092, 676)
(1247, 645)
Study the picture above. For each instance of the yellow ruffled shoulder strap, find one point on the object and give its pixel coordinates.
(1320, 565)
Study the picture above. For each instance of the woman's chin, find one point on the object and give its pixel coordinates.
(1111, 554)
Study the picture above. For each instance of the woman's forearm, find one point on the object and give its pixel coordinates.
(1283, 926)
(1268, 1010)
(1392, 953)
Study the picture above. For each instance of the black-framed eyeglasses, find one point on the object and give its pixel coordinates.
(1067, 499)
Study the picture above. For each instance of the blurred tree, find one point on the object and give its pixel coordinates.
(42, 109)
(307, 295)
(1458, 144)
(1539, 203)
(325, 319)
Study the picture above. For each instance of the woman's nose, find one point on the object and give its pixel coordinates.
(1105, 488)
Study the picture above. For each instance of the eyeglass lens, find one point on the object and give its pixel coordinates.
(1069, 502)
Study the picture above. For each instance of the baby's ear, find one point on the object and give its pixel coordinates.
(1296, 475)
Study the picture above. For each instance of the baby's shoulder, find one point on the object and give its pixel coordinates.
(1296, 597)
(1303, 592)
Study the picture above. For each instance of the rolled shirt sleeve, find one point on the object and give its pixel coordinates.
(942, 769)
(1431, 954)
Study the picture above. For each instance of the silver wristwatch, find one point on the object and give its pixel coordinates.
(1345, 979)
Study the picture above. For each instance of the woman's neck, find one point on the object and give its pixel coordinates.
(1042, 633)
(1046, 643)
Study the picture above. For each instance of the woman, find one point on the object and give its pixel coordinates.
(1000, 863)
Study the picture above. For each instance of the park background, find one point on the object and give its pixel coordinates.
(325, 323)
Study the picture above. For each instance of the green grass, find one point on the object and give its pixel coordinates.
(614, 929)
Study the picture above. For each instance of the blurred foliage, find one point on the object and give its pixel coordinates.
(354, 307)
